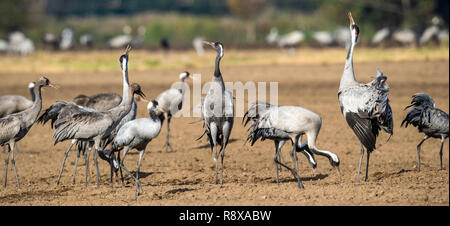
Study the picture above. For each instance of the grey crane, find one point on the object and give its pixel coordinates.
(431, 121)
(171, 101)
(365, 106)
(279, 137)
(290, 123)
(15, 126)
(136, 134)
(218, 112)
(61, 109)
(100, 102)
(10, 104)
(97, 125)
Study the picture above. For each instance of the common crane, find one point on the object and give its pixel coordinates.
(290, 123)
(171, 101)
(218, 112)
(15, 126)
(365, 106)
(428, 119)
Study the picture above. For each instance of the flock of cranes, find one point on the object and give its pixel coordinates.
(110, 119)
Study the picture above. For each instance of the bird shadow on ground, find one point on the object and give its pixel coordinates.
(29, 195)
(292, 179)
(178, 190)
(207, 145)
(383, 175)
(145, 174)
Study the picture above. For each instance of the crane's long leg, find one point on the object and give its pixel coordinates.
(275, 158)
(440, 151)
(96, 166)
(168, 145)
(125, 151)
(76, 165)
(280, 156)
(64, 161)
(367, 166)
(216, 156)
(6, 164)
(418, 151)
(141, 154)
(360, 161)
(294, 159)
(120, 169)
(13, 162)
(222, 156)
(86, 159)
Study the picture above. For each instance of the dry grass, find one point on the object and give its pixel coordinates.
(141, 60)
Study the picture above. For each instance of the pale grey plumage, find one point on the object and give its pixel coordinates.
(10, 104)
(218, 112)
(100, 102)
(279, 122)
(365, 106)
(136, 134)
(97, 125)
(279, 137)
(171, 101)
(15, 126)
(428, 119)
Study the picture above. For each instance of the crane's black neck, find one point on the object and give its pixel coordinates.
(33, 97)
(217, 72)
(32, 113)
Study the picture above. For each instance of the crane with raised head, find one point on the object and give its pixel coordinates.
(365, 106)
(218, 112)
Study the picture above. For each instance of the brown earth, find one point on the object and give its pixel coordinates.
(185, 177)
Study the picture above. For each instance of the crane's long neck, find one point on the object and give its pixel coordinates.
(33, 96)
(126, 85)
(32, 113)
(122, 109)
(217, 74)
(348, 77)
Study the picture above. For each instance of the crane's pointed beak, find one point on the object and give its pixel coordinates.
(127, 50)
(208, 43)
(338, 172)
(351, 18)
(53, 86)
(139, 98)
(160, 111)
(140, 93)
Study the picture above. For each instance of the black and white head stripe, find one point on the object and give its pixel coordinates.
(219, 47)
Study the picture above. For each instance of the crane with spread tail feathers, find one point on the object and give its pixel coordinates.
(365, 106)
(428, 119)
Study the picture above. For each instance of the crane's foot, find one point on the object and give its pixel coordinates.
(168, 146)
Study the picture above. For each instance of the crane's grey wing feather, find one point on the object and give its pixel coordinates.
(84, 125)
(10, 127)
(104, 101)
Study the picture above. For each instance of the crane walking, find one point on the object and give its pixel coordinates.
(254, 113)
(136, 134)
(15, 126)
(365, 106)
(431, 121)
(291, 122)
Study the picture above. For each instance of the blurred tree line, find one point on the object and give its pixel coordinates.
(250, 19)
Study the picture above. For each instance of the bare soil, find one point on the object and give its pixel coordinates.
(186, 176)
